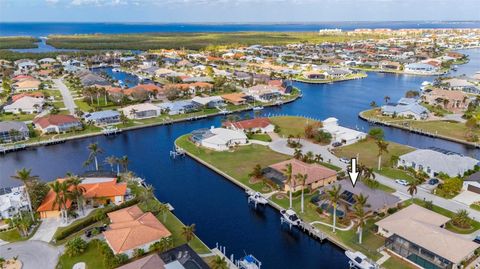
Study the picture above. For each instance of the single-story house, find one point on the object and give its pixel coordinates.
(235, 98)
(433, 162)
(57, 123)
(341, 134)
(210, 102)
(97, 191)
(219, 139)
(26, 104)
(262, 125)
(141, 111)
(461, 85)
(453, 101)
(178, 107)
(317, 175)
(406, 107)
(472, 183)
(421, 68)
(105, 117)
(389, 65)
(417, 234)
(11, 131)
(26, 85)
(130, 228)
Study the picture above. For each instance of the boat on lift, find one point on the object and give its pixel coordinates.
(359, 260)
(249, 262)
(290, 217)
(115, 70)
(257, 199)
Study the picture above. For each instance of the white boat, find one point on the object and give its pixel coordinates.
(257, 198)
(426, 83)
(289, 216)
(115, 70)
(249, 262)
(359, 260)
(257, 108)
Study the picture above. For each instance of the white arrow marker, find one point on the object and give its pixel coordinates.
(354, 174)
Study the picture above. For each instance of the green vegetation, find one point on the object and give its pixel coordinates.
(368, 153)
(11, 236)
(175, 226)
(475, 206)
(238, 164)
(92, 257)
(193, 40)
(18, 42)
(260, 137)
(396, 263)
(291, 125)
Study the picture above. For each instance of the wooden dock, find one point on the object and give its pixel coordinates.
(312, 231)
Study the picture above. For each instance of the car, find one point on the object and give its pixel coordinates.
(336, 144)
(433, 181)
(344, 160)
(477, 239)
(402, 182)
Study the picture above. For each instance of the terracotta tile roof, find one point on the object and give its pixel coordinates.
(33, 94)
(59, 119)
(249, 124)
(48, 201)
(149, 262)
(315, 172)
(129, 231)
(234, 97)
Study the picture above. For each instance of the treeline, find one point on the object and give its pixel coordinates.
(13, 56)
(194, 41)
(18, 42)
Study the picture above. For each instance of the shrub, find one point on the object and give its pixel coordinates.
(138, 252)
(75, 247)
(376, 133)
(392, 210)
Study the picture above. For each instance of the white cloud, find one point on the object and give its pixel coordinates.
(97, 2)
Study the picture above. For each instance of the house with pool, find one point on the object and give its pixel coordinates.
(219, 139)
(417, 234)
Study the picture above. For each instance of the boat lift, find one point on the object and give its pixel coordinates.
(177, 152)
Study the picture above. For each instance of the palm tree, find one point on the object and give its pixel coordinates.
(95, 150)
(301, 178)
(361, 200)
(394, 160)
(412, 187)
(146, 193)
(287, 172)
(25, 176)
(382, 148)
(188, 232)
(318, 158)
(163, 209)
(256, 172)
(111, 160)
(361, 217)
(333, 197)
(219, 263)
(61, 197)
(124, 163)
(77, 191)
(298, 154)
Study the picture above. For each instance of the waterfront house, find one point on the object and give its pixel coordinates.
(421, 69)
(341, 134)
(219, 139)
(25, 104)
(417, 234)
(235, 98)
(461, 85)
(141, 111)
(130, 228)
(209, 102)
(435, 161)
(105, 117)
(178, 107)
(89, 79)
(12, 131)
(256, 125)
(57, 123)
(472, 184)
(263, 93)
(316, 75)
(389, 65)
(99, 191)
(318, 175)
(12, 201)
(406, 107)
(453, 101)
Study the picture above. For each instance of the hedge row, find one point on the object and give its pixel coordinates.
(90, 219)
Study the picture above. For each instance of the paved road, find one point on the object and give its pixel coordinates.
(66, 95)
(33, 254)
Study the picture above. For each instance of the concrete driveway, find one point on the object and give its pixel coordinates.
(33, 254)
(46, 230)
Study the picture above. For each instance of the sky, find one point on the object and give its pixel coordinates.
(236, 11)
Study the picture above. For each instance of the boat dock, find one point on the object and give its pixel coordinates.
(111, 130)
(13, 148)
(312, 231)
(177, 152)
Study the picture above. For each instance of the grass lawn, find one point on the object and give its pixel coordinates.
(261, 137)
(396, 263)
(395, 173)
(291, 125)
(237, 164)
(367, 151)
(92, 257)
(475, 206)
(174, 225)
(446, 128)
(16, 117)
(11, 236)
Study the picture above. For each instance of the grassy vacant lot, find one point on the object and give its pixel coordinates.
(237, 164)
(291, 125)
(192, 40)
(17, 42)
(367, 151)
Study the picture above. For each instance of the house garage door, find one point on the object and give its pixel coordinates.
(473, 189)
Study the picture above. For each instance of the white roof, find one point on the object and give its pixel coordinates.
(140, 108)
(451, 164)
(422, 227)
(206, 100)
(222, 136)
(25, 103)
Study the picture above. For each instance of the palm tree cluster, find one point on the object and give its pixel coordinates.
(118, 163)
(308, 157)
(65, 191)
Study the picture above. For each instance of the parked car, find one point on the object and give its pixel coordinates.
(344, 160)
(336, 144)
(477, 239)
(433, 181)
(402, 182)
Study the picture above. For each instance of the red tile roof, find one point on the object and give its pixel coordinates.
(21, 95)
(59, 119)
(249, 124)
(314, 171)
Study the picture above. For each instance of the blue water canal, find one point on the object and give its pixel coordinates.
(215, 205)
